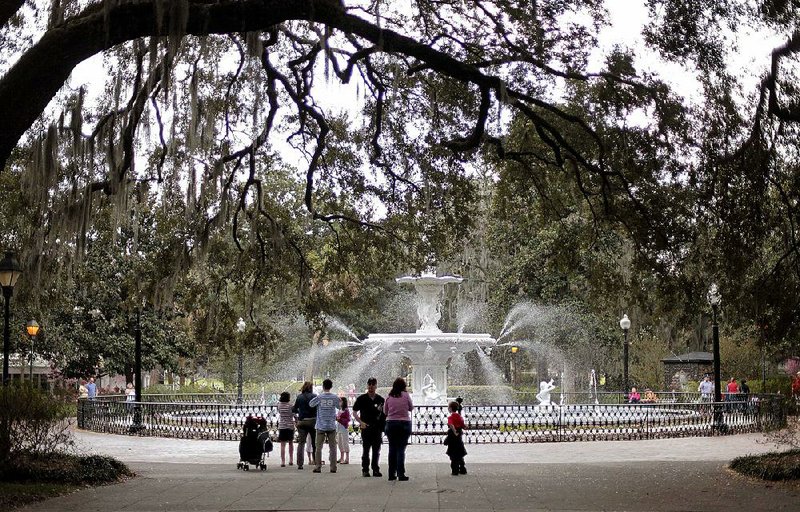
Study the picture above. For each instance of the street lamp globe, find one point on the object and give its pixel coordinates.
(625, 322)
(713, 296)
(32, 327)
(9, 271)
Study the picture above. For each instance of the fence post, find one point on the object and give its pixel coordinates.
(219, 423)
(560, 425)
(81, 418)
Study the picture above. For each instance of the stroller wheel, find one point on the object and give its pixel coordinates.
(246, 467)
(263, 467)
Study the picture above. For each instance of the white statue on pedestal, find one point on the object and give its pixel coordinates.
(429, 389)
(544, 392)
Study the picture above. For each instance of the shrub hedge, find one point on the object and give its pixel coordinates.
(772, 466)
(59, 467)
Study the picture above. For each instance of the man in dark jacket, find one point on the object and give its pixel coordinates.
(368, 412)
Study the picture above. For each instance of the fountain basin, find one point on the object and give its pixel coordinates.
(429, 354)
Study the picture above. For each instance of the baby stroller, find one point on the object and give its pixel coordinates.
(254, 445)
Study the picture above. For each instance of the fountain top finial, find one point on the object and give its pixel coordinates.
(429, 287)
(429, 277)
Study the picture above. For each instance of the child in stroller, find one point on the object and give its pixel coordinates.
(255, 444)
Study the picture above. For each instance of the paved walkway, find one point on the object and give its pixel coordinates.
(664, 475)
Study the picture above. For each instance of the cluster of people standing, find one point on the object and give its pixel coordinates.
(87, 389)
(733, 391)
(317, 419)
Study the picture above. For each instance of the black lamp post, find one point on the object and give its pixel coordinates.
(714, 298)
(137, 374)
(625, 323)
(514, 350)
(240, 326)
(9, 273)
(33, 330)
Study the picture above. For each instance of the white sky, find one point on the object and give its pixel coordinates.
(627, 17)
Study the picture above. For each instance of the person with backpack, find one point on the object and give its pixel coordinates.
(306, 420)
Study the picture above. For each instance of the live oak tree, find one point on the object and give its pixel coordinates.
(216, 83)
(227, 105)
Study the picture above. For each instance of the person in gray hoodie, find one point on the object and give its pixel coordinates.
(326, 404)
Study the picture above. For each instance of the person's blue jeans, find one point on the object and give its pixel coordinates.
(398, 432)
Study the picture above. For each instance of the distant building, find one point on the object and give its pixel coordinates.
(19, 369)
(678, 369)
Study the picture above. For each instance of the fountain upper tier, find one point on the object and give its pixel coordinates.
(429, 343)
(429, 287)
(420, 346)
(429, 348)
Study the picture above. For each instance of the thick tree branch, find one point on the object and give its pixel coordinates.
(42, 70)
(26, 89)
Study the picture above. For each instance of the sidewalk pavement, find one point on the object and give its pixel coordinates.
(659, 475)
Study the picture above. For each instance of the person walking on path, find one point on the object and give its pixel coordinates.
(130, 396)
(455, 440)
(91, 389)
(368, 412)
(83, 392)
(733, 389)
(706, 389)
(398, 407)
(744, 389)
(326, 404)
(306, 420)
(343, 431)
(286, 428)
(795, 387)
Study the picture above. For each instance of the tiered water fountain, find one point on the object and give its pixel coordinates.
(431, 352)
(429, 349)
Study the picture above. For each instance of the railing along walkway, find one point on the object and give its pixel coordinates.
(485, 423)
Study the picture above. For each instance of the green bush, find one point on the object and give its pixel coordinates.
(166, 389)
(63, 468)
(781, 384)
(250, 388)
(33, 421)
(770, 466)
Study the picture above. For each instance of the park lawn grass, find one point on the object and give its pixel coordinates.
(19, 494)
(773, 466)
